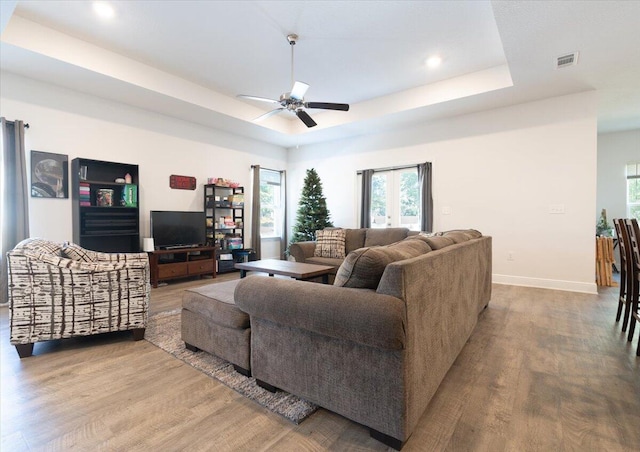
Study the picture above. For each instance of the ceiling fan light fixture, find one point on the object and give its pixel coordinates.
(434, 61)
(294, 101)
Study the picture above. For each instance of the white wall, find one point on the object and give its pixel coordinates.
(615, 150)
(497, 171)
(67, 122)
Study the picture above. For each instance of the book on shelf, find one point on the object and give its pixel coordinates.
(234, 243)
(237, 200)
(84, 194)
(130, 195)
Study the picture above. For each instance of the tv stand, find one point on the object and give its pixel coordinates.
(186, 262)
(178, 247)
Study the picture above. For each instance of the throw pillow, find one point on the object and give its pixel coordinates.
(77, 253)
(330, 243)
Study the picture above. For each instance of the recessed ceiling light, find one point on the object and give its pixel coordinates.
(434, 61)
(103, 10)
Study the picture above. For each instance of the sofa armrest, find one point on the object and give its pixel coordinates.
(358, 315)
(301, 251)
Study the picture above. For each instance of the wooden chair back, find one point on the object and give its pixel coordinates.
(633, 231)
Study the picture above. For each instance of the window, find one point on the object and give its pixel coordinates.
(270, 204)
(633, 190)
(395, 199)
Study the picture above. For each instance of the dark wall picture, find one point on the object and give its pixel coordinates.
(49, 175)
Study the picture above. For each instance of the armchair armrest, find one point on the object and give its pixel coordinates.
(88, 267)
(358, 315)
(301, 251)
(122, 257)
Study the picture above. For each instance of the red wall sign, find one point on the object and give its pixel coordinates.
(182, 182)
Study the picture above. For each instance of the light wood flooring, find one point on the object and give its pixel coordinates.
(543, 371)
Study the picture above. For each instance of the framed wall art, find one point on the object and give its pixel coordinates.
(49, 175)
(182, 182)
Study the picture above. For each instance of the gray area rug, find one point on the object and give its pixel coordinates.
(163, 331)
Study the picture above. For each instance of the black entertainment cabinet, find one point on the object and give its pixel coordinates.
(182, 263)
(106, 214)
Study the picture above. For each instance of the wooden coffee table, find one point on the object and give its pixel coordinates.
(292, 269)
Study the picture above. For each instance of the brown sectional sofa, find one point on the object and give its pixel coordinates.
(354, 239)
(372, 350)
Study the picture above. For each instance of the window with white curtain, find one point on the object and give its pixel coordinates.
(633, 190)
(270, 203)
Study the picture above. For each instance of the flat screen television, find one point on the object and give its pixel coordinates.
(174, 229)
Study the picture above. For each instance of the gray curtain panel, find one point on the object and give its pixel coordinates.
(14, 200)
(255, 212)
(365, 205)
(283, 203)
(426, 197)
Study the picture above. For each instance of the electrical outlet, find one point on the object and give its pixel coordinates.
(511, 256)
(556, 208)
(446, 210)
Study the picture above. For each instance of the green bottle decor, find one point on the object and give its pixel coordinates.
(603, 228)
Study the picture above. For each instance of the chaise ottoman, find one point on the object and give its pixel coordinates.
(212, 322)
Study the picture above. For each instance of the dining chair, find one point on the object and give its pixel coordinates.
(626, 272)
(634, 303)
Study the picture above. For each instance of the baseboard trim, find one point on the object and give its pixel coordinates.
(540, 283)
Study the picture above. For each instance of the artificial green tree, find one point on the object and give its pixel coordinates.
(312, 214)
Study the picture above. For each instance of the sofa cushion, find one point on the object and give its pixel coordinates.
(324, 261)
(457, 236)
(363, 268)
(471, 233)
(330, 243)
(386, 236)
(354, 239)
(77, 253)
(39, 246)
(420, 239)
(439, 241)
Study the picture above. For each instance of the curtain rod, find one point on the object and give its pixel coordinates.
(268, 169)
(26, 124)
(391, 168)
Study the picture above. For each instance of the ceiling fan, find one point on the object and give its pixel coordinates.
(294, 100)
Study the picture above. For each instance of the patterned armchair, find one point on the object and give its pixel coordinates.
(60, 291)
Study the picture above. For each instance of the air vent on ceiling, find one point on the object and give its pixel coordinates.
(569, 59)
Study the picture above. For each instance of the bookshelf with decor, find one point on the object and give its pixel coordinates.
(224, 212)
(106, 216)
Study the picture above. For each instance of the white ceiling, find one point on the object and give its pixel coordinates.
(188, 59)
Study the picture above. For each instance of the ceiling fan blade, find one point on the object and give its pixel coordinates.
(299, 90)
(304, 117)
(261, 99)
(327, 106)
(268, 114)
